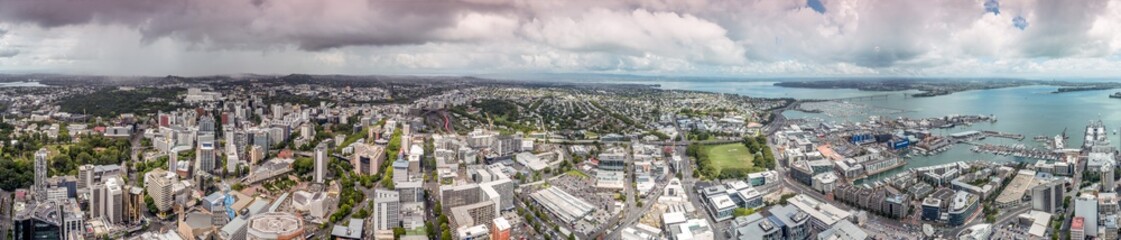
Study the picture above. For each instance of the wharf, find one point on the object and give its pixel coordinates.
(1015, 136)
(1017, 151)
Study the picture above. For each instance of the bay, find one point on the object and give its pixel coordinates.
(1028, 110)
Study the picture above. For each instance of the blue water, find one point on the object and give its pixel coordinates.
(1030, 110)
(764, 89)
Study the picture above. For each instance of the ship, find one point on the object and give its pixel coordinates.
(1115, 95)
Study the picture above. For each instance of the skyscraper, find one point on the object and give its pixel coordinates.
(386, 209)
(107, 200)
(206, 157)
(1047, 196)
(320, 163)
(40, 187)
(158, 182)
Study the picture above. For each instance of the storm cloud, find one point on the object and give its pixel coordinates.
(686, 37)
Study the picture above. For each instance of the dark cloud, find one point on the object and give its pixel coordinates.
(878, 57)
(1020, 22)
(7, 53)
(310, 25)
(55, 13)
(992, 6)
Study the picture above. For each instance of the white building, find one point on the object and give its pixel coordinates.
(321, 159)
(387, 211)
(107, 201)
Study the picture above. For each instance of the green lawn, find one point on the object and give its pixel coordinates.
(577, 173)
(729, 155)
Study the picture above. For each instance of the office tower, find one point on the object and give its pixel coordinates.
(40, 187)
(159, 184)
(40, 221)
(386, 209)
(107, 200)
(205, 157)
(321, 159)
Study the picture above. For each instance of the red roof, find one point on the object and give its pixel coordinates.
(285, 153)
(1076, 223)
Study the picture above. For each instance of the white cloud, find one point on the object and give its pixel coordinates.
(664, 37)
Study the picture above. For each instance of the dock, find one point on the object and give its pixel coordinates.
(1015, 136)
(1018, 151)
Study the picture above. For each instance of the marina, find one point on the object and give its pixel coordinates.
(1018, 150)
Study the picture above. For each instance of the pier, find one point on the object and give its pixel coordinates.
(1018, 151)
(1015, 136)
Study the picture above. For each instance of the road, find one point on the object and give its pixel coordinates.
(5, 214)
(633, 216)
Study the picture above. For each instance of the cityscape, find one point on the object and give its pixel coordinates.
(560, 120)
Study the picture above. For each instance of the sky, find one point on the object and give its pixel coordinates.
(725, 38)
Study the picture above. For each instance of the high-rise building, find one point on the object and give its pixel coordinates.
(411, 191)
(457, 195)
(40, 221)
(205, 157)
(134, 198)
(261, 139)
(89, 175)
(1108, 184)
(387, 209)
(1047, 196)
(159, 184)
(474, 214)
(321, 159)
(206, 124)
(172, 161)
(107, 200)
(504, 189)
(40, 185)
(367, 158)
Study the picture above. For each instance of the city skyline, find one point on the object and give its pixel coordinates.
(737, 39)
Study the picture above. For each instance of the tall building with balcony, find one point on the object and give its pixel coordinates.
(39, 188)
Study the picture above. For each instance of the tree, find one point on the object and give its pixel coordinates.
(398, 232)
(151, 203)
(430, 230)
(387, 180)
(739, 212)
(303, 165)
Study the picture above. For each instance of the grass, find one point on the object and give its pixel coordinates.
(577, 173)
(729, 155)
(418, 231)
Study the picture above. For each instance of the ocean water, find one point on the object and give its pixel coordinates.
(1028, 110)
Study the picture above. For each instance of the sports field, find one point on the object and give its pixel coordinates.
(729, 155)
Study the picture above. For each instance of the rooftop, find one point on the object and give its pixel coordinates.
(275, 223)
(353, 230)
(824, 212)
(569, 208)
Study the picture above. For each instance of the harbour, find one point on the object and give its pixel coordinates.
(1022, 111)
